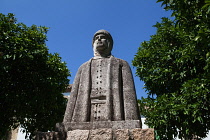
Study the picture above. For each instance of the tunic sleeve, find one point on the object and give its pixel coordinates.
(73, 96)
(129, 94)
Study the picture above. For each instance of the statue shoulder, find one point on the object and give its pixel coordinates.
(84, 65)
(121, 61)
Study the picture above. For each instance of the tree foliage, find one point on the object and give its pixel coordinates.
(31, 79)
(175, 66)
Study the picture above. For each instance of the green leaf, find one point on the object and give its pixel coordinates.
(31, 79)
(174, 65)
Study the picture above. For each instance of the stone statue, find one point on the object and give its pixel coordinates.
(102, 103)
(103, 93)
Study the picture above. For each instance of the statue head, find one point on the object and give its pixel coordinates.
(102, 43)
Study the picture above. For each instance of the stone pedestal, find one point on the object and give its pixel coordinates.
(127, 124)
(101, 134)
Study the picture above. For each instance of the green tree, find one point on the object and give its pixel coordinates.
(175, 66)
(31, 79)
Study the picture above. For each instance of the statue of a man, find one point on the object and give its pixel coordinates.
(103, 89)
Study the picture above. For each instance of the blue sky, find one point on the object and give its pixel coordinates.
(72, 24)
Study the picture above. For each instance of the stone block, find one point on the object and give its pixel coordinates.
(121, 134)
(101, 134)
(142, 134)
(78, 135)
(148, 134)
(127, 124)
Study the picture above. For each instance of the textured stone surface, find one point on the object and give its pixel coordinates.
(78, 135)
(135, 134)
(147, 134)
(113, 98)
(142, 134)
(100, 134)
(121, 134)
(130, 124)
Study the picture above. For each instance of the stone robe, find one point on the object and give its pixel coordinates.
(103, 90)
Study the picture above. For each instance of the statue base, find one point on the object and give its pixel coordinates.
(127, 124)
(100, 134)
(99, 130)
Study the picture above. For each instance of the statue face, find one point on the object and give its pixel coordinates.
(101, 42)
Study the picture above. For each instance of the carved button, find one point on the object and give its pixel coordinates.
(100, 81)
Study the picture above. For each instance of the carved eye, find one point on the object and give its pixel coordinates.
(96, 37)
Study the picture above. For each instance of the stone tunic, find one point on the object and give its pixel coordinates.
(103, 90)
(98, 91)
